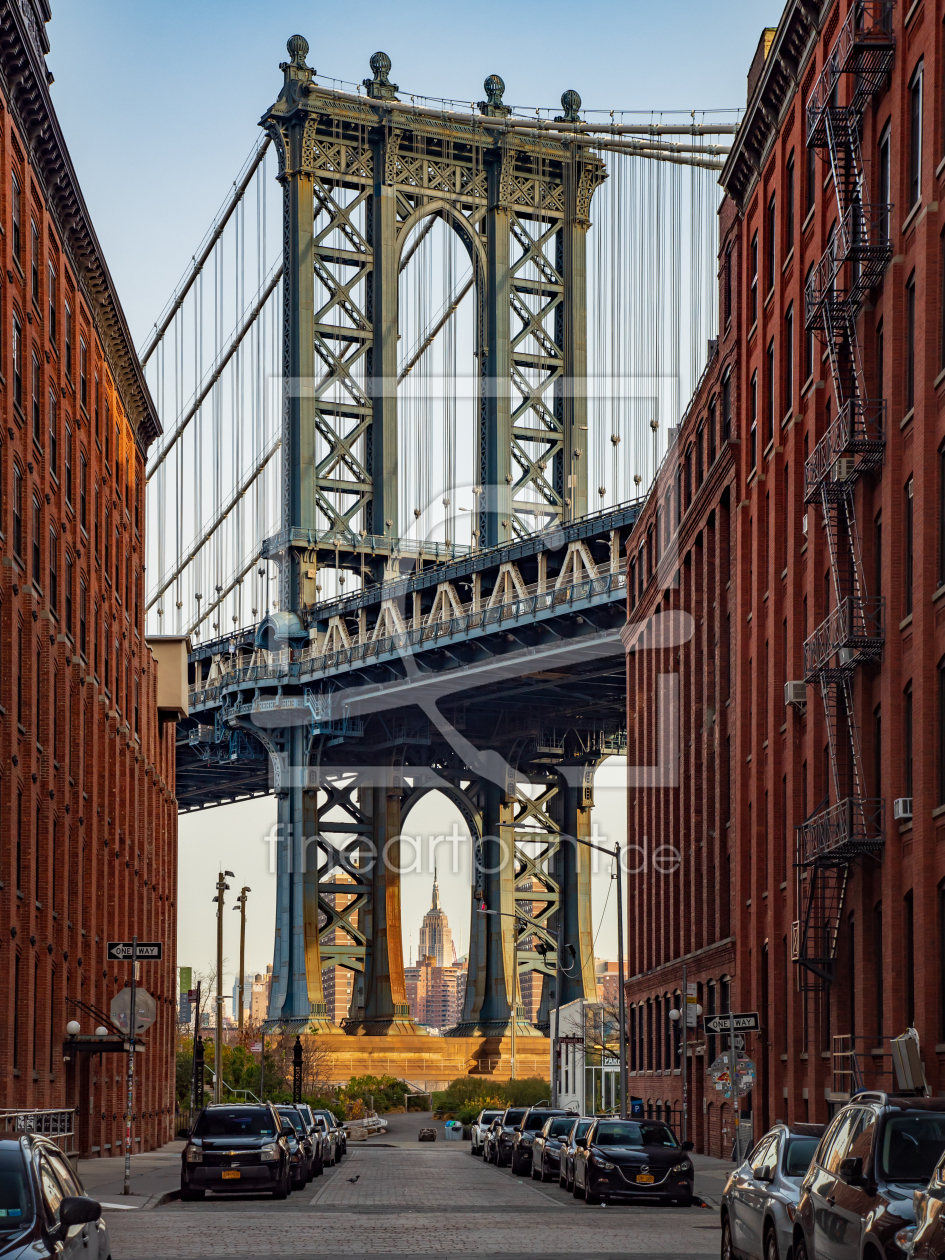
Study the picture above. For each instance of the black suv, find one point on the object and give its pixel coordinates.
(237, 1147)
(498, 1146)
(857, 1194)
(528, 1129)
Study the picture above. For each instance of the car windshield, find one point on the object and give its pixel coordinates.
(294, 1119)
(582, 1128)
(488, 1116)
(235, 1122)
(16, 1206)
(912, 1146)
(560, 1127)
(798, 1155)
(534, 1121)
(513, 1117)
(611, 1133)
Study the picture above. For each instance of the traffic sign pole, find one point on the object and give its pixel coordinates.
(131, 1068)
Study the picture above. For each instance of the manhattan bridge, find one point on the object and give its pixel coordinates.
(411, 411)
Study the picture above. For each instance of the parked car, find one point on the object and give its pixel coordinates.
(479, 1126)
(306, 1167)
(927, 1237)
(499, 1138)
(44, 1209)
(330, 1140)
(575, 1140)
(238, 1146)
(760, 1198)
(315, 1134)
(632, 1159)
(548, 1145)
(524, 1136)
(337, 1132)
(858, 1193)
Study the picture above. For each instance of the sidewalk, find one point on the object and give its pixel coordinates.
(711, 1176)
(154, 1176)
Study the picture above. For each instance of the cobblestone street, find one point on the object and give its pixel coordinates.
(412, 1200)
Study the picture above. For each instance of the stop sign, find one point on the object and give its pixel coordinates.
(145, 1010)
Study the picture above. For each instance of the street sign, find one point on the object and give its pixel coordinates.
(748, 1021)
(745, 1074)
(692, 1000)
(185, 1015)
(146, 951)
(145, 1010)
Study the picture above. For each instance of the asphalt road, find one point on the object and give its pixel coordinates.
(393, 1197)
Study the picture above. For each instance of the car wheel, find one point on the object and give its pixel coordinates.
(191, 1196)
(281, 1189)
(591, 1197)
(726, 1252)
(771, 1245)
(545, 1176)
(800, 1249)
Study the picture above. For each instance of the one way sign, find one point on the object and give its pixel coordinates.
(145, 951)
(748, 1021)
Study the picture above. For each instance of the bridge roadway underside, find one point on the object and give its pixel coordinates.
(505, 701)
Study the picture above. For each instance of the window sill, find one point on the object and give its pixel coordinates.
(913, 9)
(939, 379)
(770, 298)
(787, 262)
(907, 418)
(753, 329)
(906, 826)
(808, 385)
(809, 220)
(912, 215)
(938, 594)
(938, 811)
(906, 621)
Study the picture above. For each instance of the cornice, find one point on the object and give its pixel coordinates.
(25, 84)
(793, 43)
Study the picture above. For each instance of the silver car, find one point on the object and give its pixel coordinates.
(760, 1199)
(479, 1126)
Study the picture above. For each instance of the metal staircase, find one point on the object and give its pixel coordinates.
(851, 635)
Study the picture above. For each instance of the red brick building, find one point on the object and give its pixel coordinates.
(87, 811)
(832, 315)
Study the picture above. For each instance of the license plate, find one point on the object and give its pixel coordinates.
(646, 1178)
(233, 1174)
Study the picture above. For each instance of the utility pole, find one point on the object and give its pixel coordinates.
(222, 887)
(132, 1020)
(241, 906)
(621, 995)
(685, 1051)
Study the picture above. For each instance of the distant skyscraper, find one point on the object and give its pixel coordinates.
(436, 939)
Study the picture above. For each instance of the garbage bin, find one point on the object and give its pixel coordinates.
(453, 1131)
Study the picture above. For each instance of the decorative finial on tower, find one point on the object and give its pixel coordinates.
(436, 891)
(380, 87)
(492, 107)
(571, 104)
(297, 48)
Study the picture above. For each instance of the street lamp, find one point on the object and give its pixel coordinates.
(675, 1015)
(222, 887)
(241, 906)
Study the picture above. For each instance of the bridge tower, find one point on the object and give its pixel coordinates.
(359, 174)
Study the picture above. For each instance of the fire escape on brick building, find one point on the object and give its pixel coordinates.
(849, 823)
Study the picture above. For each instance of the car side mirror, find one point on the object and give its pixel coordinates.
(78, 1210)
(765, 1173)
(580, 1142)
(689, 1146)
(288, 1131)
(851, 1171)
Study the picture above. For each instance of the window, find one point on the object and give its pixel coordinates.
(37, 530)
(137, 501)
(108, 425)
(700, 456)
(105, 655)
(787, 358)
(712, 432)
(688, 474)
(17, 222)
(811, 189)
(16, 986)
(37, 409)
(753, 431)
(909, 932)
(83, 374)
(98, 401)
(53, 451)
(727, 406)
(83, 492)
(910, 544)
(51, 284)
(941, 515)
(915, 135)
(771, 389)
(34, 262)
(68, 339)
(106, 530)
(941, 732)
(18, 511)
(910, 343)
(878, 553)
(880, 375)
(53, 570)
(754, 280)
(95, 525)
(789, 204)
(70, 593)
(770, 249)
(17, 363)
(83, 619)
(727, 284)
(117, 561)
(907, 739)
(808, 333)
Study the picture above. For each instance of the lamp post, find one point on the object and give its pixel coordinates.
(222, 887)
(684, 1016)
(241, 906)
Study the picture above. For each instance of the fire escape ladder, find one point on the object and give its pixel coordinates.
(851, 634)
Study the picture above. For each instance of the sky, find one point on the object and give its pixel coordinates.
(159, 104)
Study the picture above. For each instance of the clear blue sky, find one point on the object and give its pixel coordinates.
(159, 104)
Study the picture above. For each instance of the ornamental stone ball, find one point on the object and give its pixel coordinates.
(570, 103)
(494, 88)
(297, 48)
(381, 64)
(380, 87)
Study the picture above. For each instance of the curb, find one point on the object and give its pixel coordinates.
(159, 1200)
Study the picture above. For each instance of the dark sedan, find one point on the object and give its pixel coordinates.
(304, 1170)
(524, 1136)
(927, 1238)
(575, 1141)
(44, 1210)
(239, 1147)
(498, 1144)
(633, 1159)
(548, 1146)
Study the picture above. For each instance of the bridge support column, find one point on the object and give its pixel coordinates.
(382, 355)
(313, 961)
(571, 335)
(386, 1010)
(495, 424)
(573, 872)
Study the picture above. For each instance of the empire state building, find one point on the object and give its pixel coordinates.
(436, 939)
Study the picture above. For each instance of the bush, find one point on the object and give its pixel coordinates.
(386, 1091)
(468, 1092)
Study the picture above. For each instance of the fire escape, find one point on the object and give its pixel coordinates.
(851, 636)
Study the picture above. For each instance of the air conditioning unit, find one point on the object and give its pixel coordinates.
(843, 468)
(804, 524)
(795, 693)
(902, 808)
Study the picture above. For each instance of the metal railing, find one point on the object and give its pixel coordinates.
(58, 1125)
(864, 47)
(859, 430)
(849, 636)
(841, 832)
